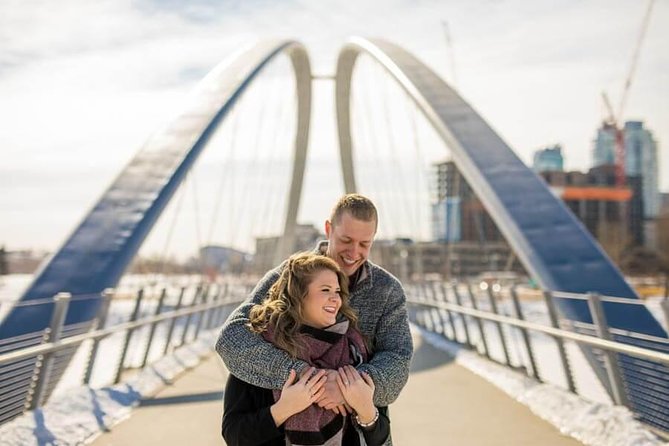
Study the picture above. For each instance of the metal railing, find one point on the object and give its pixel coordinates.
(31, 365)
(440, 307)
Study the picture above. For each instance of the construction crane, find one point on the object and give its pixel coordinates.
(615, 121)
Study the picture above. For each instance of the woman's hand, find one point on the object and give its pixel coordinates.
(297, 396)
(358, 391)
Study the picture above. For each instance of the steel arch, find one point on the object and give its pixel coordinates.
(548, 239)
(97, 253)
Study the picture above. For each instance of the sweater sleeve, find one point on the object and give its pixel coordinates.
(379, 433)
(247, 420)
(392, 349)
(246, 354)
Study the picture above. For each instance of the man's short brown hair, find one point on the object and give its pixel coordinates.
(360, 208)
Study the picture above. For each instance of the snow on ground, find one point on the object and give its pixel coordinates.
(592, 423)
(81, 414)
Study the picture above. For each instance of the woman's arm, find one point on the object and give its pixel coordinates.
(246, 414)
(377, 434)
(250, 415)
(358, 391)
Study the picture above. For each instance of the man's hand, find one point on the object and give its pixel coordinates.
(332, 398)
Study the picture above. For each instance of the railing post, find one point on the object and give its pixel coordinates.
(493, 305)
(220, 311)
(463, 317)
(102, 320)
(552, 314)
(31, 402)
(128, 335)
(211, 313)
(427, 311)
(664, 304)
(152, 330)
(479, 322)
(444, 296)
(200, 320)
(438, 313)
(61, 303)
(523, 331)
(610, 358)
(196, 296)
(173, 321)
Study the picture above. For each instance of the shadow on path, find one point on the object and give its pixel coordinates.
(41, 432)
(181, 399)
(427, 357)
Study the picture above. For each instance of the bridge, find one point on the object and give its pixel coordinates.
(589, 305)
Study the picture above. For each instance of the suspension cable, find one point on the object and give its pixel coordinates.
(362, 102)
(280, 193)
(266, 180)
(196, 217)
(422, 183)
(170, 231)
(226, 168)
(394, 159)
(245, 197)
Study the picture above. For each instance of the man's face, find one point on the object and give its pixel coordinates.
(349, 241)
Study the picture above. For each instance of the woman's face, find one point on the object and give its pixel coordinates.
(323, 301)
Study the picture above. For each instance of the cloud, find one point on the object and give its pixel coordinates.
(83, 84)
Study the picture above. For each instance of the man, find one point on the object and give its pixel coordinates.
(375, 294)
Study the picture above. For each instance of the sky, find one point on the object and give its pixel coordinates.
(84, 83)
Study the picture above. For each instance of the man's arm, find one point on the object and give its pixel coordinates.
(246, 354)
(392, 349)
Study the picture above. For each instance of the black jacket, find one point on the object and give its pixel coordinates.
(247, 420)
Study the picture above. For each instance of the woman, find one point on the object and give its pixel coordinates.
(306, 313)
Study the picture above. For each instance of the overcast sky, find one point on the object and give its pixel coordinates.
(84, 83)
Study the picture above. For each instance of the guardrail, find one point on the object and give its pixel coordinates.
(440, 307)
(31, 365)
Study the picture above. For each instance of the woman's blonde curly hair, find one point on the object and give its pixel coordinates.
(282, 308)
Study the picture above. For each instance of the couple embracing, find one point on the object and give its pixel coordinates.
(321, 347)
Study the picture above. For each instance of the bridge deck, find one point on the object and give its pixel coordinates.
(443, 403)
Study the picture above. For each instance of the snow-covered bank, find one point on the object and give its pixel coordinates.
(81, 414)
(591, 423)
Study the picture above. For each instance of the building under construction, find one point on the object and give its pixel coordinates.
(467, 241)
(613, 215)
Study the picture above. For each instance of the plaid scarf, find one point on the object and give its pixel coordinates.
(328, 348)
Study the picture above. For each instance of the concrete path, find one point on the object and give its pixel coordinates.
(443, 404)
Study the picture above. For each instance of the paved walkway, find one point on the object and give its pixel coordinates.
(443, 404)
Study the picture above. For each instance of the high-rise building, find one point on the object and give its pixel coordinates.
(640, 160)
(604, 146)
(457, 213)
(548, 160)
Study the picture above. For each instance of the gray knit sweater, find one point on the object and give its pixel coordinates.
(380, 303)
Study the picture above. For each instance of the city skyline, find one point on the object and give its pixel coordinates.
(84, 85)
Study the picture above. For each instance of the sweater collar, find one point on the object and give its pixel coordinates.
(358, 276)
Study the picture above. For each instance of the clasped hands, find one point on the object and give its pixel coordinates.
(343, 391)
(346, 390)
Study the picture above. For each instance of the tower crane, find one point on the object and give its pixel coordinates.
(615, 120)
